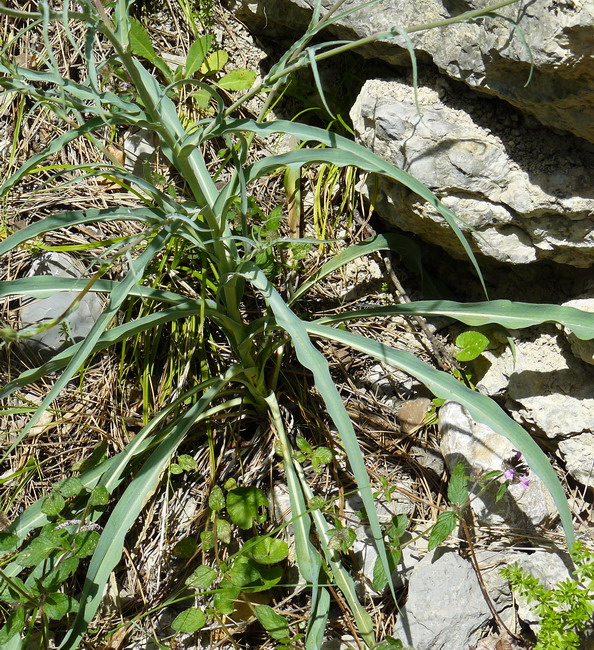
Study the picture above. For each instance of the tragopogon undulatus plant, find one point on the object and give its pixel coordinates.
(211, 223)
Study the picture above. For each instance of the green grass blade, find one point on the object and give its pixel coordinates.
(312, 359)
(317, 622)
(511, 315)
(130, 504)
(341, 576)
(57, 145)
(307, 557)
(483, 409)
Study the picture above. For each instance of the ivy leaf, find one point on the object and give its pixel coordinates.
(237, 80)
(473, 344)
(57, 605)
(185, 548)
(216, 499)
(38, 550)
(397, 528)
(207, 539)
(380, 579)
(341, 539)
(224, 600)
(243, 572)
(189, 621)
(85, 543)
(14, 624)
(99, 496)
(224, 531)
(70, 487)
(56, 577)
(457, 489)
(322, 456)
(187, 463)
(202, 577)
(444, 525)
(8, 542)
(273, 623)
(243, 506)
(303, 445)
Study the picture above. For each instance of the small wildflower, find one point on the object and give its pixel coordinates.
(524, 482)
(509, 474)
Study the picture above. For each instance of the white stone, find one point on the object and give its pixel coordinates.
(486, 54)
(545, 387)
(483, 450)
(515, 207)
(583, 349)
(578, 454)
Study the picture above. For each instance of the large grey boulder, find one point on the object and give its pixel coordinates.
(488, 54)
(445, 608)
(524, 195)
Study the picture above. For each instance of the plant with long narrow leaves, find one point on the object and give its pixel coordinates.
(211, 223)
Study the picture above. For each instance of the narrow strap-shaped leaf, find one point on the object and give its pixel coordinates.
(314, 360)
(342, 577)
(65, 219)
(367, 160)
(117, 298)
(483, 409)
(508, 314)
(407, 248)
(307, 557)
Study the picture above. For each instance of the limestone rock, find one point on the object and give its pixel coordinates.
(550, 569)
(545, 387)
(520, 200)
(482, 450)
(583, 349)
(486, 54)
(578, 454)
(445, 607)
(76, 325)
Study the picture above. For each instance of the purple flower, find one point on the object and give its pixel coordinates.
(517, 455)
(509, 474)
(524, 482)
